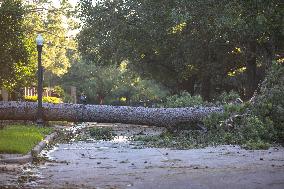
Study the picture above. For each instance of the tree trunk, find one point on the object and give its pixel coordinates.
(100, 99)
(206, 87)
(251, 83)
(102, 113)
(188, 85)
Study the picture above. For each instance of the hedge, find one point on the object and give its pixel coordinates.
(47, 99)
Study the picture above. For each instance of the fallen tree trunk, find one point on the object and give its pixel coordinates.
(103, 113)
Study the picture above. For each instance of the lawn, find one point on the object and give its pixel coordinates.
(21, 138)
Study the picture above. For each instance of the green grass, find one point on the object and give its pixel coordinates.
(102, 133)
(20, 139)
(197, 139)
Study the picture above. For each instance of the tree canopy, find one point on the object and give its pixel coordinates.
(199, 46)
(21, 22)
(202, 47)
(15, 67)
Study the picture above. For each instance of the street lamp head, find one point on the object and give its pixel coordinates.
(39, 40)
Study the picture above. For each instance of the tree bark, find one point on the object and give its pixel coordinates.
(206, 87)
(251, 83)
(100, 99)
(188, 85)
(105, 114)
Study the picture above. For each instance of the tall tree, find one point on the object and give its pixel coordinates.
(15, 68)
(186, 45)
(54, 23)
(256, 28)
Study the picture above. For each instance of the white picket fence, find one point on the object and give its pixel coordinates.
(32, 91)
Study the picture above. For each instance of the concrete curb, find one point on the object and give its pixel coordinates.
(19, 160)
(31, 155)
(38, 148)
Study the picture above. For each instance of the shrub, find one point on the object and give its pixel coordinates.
(227, 97)
(102, 133)
(182, 100)
(257, 145)
(253, 129)
(236, 126)
(59, 91)
(68, 98)
(269, 103)
(254, 125)
(47, 99)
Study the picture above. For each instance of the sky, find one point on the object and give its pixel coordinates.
(73, 3)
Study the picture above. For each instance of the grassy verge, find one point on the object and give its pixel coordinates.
(102, 133)
(21, 138)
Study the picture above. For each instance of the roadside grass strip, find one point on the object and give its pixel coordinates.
(20, 139)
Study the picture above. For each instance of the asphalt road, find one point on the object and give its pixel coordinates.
(123, 164)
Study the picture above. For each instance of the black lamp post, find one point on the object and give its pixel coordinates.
(39, 42)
